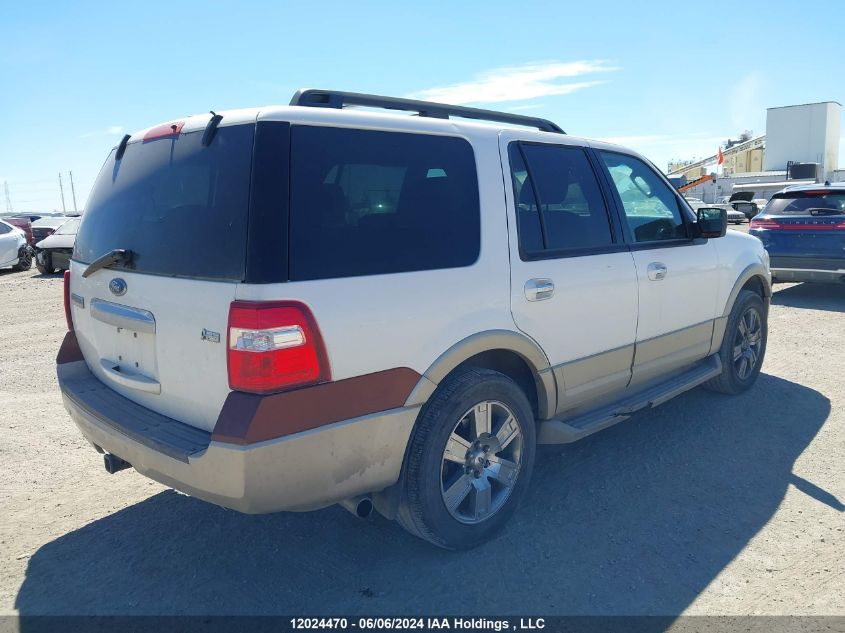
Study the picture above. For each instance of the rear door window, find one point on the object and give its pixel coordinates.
(559, 202)
(368, 202)
(182, 208)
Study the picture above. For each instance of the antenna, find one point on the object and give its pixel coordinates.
(62, 190)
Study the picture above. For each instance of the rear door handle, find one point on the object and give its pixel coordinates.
(657, 271)
(539, 289)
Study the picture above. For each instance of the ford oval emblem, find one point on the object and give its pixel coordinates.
(117, 286)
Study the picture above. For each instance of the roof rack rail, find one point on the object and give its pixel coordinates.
(336, 99)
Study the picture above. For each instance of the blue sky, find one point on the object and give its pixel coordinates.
(671, 80)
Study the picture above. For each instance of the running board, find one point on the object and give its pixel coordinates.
(580, 426)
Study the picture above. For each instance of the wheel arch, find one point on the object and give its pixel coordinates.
(508, 352)
(753, 277)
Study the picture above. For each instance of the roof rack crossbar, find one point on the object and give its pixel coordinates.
(335, 99)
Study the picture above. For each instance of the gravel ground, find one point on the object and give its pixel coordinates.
(706, 505)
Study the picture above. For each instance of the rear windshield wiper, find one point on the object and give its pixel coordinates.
(117, 256)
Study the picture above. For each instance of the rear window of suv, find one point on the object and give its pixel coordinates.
(182, 208)
(368, 202)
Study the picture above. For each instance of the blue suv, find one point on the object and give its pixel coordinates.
(803, 229)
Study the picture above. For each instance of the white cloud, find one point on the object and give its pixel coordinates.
(518, 83)
(112, 130)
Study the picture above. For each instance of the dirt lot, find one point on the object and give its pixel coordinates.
(707, 505)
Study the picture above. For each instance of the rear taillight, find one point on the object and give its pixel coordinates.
(68, 316)
(274, 346)
(764, 224)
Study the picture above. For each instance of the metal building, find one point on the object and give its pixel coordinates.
(806, 133)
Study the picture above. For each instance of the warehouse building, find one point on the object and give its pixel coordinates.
(801, 145)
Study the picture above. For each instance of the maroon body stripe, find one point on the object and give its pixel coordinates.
(69, 352)
(248, 418)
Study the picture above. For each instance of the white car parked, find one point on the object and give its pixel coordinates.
(290, 307)
(14, 251)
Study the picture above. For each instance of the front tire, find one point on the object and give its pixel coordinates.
(743, 346)
(469, 461)
(47, 267)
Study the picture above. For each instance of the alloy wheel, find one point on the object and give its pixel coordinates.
(748, 342)
(481, 462)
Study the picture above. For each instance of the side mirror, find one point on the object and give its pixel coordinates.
(712, 222)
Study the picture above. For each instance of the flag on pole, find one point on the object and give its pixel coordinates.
(721, 157)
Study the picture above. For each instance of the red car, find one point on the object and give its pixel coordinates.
(24, 225)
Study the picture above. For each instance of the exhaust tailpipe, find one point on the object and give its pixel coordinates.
(361, 507)
(114, 464)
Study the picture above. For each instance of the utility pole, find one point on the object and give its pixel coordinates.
(73, 192)
(62, 190)
(8, 199)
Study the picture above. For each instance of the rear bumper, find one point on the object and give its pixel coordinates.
(303, 471)
(807, 274)
(796, 269)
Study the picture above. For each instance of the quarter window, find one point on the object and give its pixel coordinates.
(651, 208)
(368, 202)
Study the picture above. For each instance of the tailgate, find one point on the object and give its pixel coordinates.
(807, 237)
(152, 323)
(155, 344)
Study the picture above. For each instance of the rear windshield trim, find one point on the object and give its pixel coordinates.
(269, 205)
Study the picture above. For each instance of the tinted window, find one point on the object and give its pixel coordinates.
(570, 212)
(367, 203)
(527, 210)
(4, 228)
(651, 208)
(801, 202)
(182, 208)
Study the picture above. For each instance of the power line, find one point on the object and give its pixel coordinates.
(39, 192)
(30, 182)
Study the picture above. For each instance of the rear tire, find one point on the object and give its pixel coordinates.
(24, 263)
(469, 460)
(743, 346)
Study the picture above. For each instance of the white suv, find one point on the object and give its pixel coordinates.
(290, 307)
